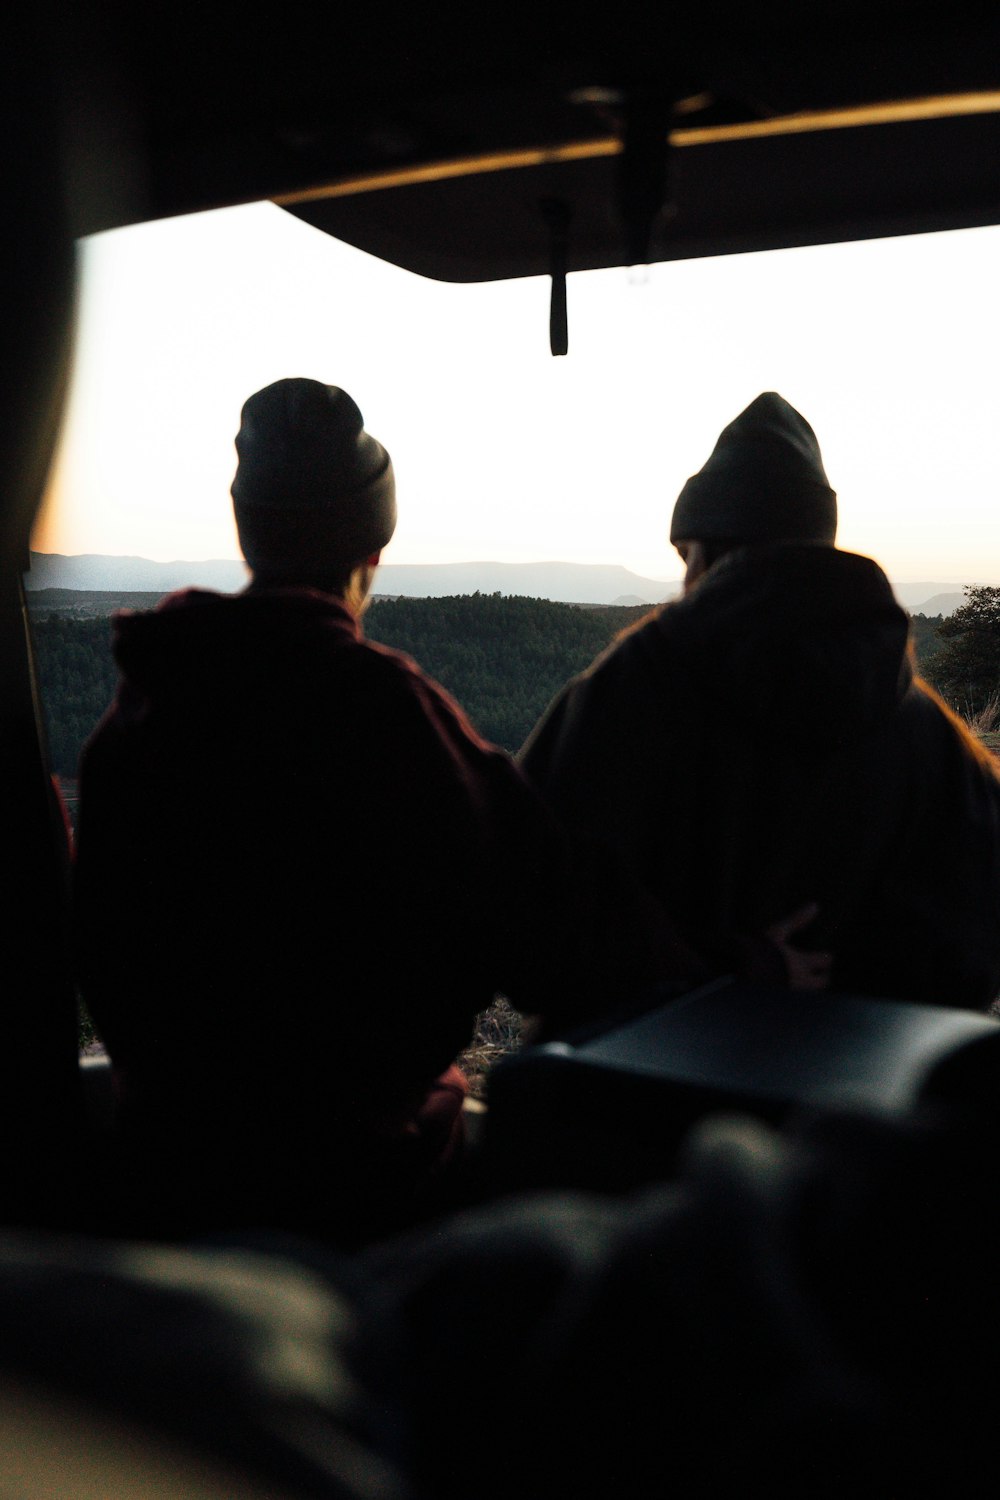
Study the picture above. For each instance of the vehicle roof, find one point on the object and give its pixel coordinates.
(464, 148)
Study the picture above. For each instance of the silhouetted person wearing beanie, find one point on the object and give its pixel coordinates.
(301, 873)
(764, 741)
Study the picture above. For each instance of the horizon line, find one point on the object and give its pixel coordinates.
(471, 562)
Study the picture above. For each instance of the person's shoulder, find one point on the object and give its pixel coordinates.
(642, 649)
(609, 698)
(395, 669)
(191, 598)
(400, 679)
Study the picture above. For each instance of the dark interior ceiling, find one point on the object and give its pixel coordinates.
(452, 146)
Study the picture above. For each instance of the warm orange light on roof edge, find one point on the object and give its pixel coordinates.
(902, 111)
(896, 112)
(463, 166)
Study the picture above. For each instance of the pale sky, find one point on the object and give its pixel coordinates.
(501, 452)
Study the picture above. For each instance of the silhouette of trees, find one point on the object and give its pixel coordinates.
(503, 658)
(76, 676)
(966, 667)
(926, 640)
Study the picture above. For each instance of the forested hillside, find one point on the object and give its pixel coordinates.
(503, 659)
(76, 674)
(926, 637)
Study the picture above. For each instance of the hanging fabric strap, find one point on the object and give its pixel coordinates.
(557, 216)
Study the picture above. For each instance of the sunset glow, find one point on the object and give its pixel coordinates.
(887, 347)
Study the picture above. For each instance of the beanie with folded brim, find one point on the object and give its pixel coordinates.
(764, 482)
(311, 486)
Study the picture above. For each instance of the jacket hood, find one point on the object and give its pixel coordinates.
(804, 636)
(196, 643)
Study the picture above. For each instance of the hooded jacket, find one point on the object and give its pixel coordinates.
(301, 874)
(763, 742)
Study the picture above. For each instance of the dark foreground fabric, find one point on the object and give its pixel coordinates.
(810, 1313)
(129, 1370)
(762, 743)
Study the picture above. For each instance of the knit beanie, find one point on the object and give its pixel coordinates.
(310, 483)
(764, 482)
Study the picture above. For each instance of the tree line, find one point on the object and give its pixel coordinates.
(76, 680)
(965, 665)
(503, 658)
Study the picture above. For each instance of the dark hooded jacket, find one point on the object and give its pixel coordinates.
(763, 742)
(301, 874)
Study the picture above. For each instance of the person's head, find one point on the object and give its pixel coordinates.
(764, 482)
(314, 494)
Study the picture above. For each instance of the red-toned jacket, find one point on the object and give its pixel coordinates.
(301, 874)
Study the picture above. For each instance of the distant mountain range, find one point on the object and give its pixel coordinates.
(935, 598)
(939, 604)
(564, 582)
(570, 583)
(130, 575)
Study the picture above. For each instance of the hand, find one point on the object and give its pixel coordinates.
(808, 968)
